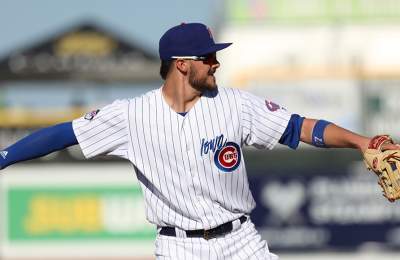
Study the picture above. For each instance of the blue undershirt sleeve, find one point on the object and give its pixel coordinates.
(291, 136)
(39, 143)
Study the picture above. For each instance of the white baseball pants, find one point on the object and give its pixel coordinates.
(243, 242)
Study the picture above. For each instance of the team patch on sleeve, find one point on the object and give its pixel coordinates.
(91, 115)
(272, 106)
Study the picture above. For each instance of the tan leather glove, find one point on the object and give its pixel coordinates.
(385, 164)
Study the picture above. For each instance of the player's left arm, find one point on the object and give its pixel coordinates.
(322, 133)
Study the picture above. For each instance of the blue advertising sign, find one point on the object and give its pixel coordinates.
(324, 211)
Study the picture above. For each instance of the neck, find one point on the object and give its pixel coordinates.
(179, 94)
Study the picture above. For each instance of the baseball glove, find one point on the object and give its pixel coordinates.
(386, 165)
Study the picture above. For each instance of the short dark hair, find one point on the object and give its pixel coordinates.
(165, 68)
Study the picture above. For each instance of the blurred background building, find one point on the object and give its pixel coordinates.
(333, 59)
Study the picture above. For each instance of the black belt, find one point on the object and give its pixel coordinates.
(206, 234)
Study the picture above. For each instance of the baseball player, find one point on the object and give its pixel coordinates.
(185, 141)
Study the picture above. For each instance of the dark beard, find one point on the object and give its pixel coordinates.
(200, 84)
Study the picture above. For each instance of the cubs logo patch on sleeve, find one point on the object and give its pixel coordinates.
(91, 115)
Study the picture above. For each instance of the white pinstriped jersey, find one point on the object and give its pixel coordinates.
(190, 168)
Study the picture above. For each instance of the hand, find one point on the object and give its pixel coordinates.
(389, 146)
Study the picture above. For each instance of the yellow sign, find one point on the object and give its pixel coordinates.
(63, 214)
(84, 44)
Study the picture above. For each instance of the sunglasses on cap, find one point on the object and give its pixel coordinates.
(208, 57)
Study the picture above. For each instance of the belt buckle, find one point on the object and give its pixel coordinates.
(208, 234)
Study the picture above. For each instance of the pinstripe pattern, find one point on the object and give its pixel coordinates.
(105, 134)
(261, 127)
(242, 244)
(183, 162)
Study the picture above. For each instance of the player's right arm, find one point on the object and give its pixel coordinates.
(38, 144)
(100, 132)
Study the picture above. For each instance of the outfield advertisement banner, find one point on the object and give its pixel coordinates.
(321, 11)
(70, 210)
(71, 214)
(97, 210)
(340, 210)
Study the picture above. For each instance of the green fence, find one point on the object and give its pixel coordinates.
(312, 10)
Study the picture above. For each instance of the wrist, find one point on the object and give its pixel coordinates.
(362, 143)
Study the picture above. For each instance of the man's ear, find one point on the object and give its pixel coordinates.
(182, 66)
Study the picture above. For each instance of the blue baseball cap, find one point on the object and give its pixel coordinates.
(188, 39)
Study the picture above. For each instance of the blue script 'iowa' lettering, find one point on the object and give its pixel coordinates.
(212, 145)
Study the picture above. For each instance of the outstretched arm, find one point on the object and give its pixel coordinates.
(39, 143)
(330, 135)
(380, 154)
